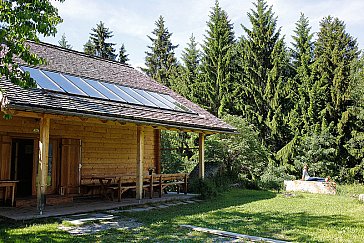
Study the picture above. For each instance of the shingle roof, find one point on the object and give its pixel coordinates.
(79, 64)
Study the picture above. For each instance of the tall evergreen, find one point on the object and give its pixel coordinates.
(98, 42)
(185, 80)
(335, 50)
(300, 85)
(123, 57)
(264, 71)
(64, 43)
(217, 62)
(160, 60)
(89, 48)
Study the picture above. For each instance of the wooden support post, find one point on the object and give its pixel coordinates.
(140, 162)
(43, 163)
(201, 156)
(157, 146)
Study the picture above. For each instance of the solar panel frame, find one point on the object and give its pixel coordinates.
(66, 85)
(104, 90)
(88, 89)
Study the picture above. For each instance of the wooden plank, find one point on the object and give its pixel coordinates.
(43, 162)
(139, 162)
(5, 157)
(201, 156)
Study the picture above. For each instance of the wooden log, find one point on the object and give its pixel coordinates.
(201, 155)
(139, 162)
(43, 163)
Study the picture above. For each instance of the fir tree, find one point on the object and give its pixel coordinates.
(160, 61)
(123, 57)
(185, 79)
(264, 71)
(217, 62)
(64, 43)
(98, 38)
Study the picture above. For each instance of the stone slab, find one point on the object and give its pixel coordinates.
(311, 186)
(361, 197)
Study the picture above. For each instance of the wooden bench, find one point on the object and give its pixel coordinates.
(162, 181)
(126, 183)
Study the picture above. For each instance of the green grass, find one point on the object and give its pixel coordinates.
(300, 217)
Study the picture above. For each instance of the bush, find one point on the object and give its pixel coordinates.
(205, 187)
(273, 177)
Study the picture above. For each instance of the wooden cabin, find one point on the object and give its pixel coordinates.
(88, 116)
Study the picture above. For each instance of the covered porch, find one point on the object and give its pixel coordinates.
(54, 159)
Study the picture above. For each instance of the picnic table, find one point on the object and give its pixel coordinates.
(109, 184)
(9, 184)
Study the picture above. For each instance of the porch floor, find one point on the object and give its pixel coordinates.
(85, 205)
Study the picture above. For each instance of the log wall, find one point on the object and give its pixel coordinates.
(106, 148)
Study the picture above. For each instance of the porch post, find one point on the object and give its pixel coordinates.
(201, 156)
(140, 162)
(43, 163)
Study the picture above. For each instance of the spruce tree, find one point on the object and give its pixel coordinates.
(98, 38)
(64, 43)
(123, 57)
(160, 61)
(217, 62)
(264, 71)
(185, 80)
(301, 83)
(335, 50)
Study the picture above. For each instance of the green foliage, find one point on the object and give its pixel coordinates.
(123, 57)
(273, 177)
(217, 63)
(97, 45)
(21, 21)
(160, 61)
(176, 155)
(242, 155)
(206, 188)
(263, 67)
(185, 78)
(64, 43)
(318, 152)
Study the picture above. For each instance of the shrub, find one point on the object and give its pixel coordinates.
(273, 177)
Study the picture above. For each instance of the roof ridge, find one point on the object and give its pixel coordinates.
(79, 53)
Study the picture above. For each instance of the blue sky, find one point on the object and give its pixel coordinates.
(132, 20)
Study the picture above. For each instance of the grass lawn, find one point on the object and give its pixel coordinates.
(301, 217)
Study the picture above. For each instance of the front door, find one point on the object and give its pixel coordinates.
(22, 165)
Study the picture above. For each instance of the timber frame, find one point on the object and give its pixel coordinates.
(70, 137)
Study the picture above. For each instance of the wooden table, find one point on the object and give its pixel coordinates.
(105, 182)
(6, 184)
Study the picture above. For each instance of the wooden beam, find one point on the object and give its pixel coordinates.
(157, 150)
(201, 156)
(43, 162)
(140, 162)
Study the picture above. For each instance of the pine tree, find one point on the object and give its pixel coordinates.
(160, 61)
(185, 79)
(97, 44)
(217, 62)
(64, 43)
(264, 71)
(123, 57)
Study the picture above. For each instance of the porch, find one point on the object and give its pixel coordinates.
(85, 205)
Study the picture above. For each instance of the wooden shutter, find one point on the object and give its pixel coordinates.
(5, 157)
(70, 165)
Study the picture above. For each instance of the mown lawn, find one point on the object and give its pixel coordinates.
(299, 217)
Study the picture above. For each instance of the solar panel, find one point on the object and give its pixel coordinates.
(66, 83)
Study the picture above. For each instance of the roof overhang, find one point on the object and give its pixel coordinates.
(39, 112)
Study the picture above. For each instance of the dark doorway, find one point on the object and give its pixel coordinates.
(22, 165)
